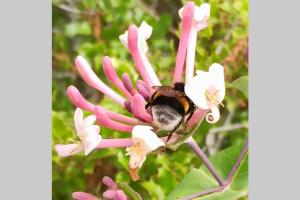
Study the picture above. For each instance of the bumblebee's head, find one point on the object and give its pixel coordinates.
(179, 86)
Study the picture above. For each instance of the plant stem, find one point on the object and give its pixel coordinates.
(238, 161)
(195, 147)
(202, 193)
(223, 184)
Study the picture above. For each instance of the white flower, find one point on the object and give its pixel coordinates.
(201, 15)
(86, 131)
(144, 142)
(144, 33)
(207, 90)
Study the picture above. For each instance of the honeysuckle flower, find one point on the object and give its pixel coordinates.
(111, 74)
(135, 40)
(144, 142)
(112, 192)
(86, 131)
(207, 90)
(92, 80)
(83, 196)
(199, 22)
(79, 101)
(128, 84)
(144, 32)
(200, 15)
(187, 20)
(141, 88)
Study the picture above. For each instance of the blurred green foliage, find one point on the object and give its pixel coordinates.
(91, 28)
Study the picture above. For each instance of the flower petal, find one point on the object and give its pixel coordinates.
(136, 160)
(123, 39)
(89, 120)
(197, 87)
(144, 33)
(195, 90)
(65, 150)
(92, 140)
(78, 118)
(202, 12)
(148, 136)
(217, 71)
(145, 30)
(213, 116)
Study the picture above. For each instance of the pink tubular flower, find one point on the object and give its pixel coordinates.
(92, 80)
(112, 192)
(138, 108)
(128, 84)
(83, 196)
(206, 90)
(135, 40)
(187, 15)
(199, 22)
(111, 74)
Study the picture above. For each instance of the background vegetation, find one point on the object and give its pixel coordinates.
(91, 28)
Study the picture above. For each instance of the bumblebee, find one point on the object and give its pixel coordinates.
(170, 107)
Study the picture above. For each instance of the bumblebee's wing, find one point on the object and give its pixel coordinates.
(163, 87)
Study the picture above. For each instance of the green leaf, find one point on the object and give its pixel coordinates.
(77, 28)
(200, 179)
(61, 130)
(154, 190)
(241, 84)
(129, 191)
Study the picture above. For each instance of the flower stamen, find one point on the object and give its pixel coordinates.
(213, 98)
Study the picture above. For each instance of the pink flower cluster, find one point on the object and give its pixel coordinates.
(134, 99)
(206, 90)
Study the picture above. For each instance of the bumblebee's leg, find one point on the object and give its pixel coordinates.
(148, 104)
(169, 137)
(189, 117)
(151, 100)
(171, 133)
